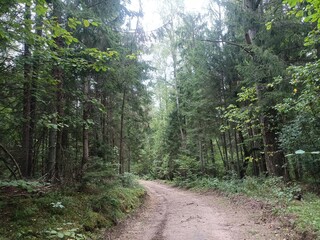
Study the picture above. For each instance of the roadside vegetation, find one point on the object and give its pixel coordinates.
(31, 210)
(73, 110)
(297, 205)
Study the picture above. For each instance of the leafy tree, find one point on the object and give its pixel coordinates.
(65, 85)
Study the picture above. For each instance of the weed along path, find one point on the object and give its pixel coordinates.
(174, 214)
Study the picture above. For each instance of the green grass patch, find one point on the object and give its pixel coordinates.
(67, 214)
(308, 212)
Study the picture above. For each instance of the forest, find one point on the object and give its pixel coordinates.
(89, 100)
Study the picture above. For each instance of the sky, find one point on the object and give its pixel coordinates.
(151, 19)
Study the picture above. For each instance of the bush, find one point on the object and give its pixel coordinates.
(128, 180)
(186, 167)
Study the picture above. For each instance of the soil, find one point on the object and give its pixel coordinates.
(175, 214)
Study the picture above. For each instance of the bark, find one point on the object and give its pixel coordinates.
(27, 151)
(59, 108)
(58, 75)
(129, 160)
(99, 116)
(213, 161)
(51, 163)
(110, 133)
(220, 152)
(225, 151)
(121, 145)
(246, 155)
(231, 148)
(85, 131)
(201, 155)
(104, 119)
(273, 154)
(34, 150)
(237, 152)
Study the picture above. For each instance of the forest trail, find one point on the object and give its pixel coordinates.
(174, 214)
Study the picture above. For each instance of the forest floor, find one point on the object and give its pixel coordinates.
(174, 214)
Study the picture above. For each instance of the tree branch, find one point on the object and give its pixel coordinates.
(245, 48)
(14, 162)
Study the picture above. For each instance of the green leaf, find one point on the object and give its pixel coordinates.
(41, 10)
(72, 23)
(131, 56)
(96, 24)
(268, 25)
(292, 2)
(60, 235)
(86, 23)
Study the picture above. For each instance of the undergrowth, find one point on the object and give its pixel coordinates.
(286, 198)
(69, 213)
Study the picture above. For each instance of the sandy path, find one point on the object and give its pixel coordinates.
(174, 214)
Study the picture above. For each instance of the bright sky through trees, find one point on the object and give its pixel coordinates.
(152, 20)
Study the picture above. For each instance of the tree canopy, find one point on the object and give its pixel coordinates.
(232, 91)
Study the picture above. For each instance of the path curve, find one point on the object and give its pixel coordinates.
(174, 214)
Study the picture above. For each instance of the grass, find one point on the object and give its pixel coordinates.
(308, 212)
(282, 196)
(67, 214)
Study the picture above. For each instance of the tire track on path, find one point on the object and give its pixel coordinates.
(174, 214)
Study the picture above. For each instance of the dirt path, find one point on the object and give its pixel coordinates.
(174, 214)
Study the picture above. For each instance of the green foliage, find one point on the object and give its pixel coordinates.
(303, 130)
(269, 189)
(198, 183)
(69, 214)
(307, 211)
(307, 11)
(62, 233)
(186, 167)
(29, 186)
(99, 172)
(69, 43)
(128, 180)
(160, 168)
(117, 203)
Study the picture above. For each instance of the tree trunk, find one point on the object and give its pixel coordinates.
(27, 151)
(225, 151)
(213, 161)
(237, 152)
(129, 160)
(274, 156)
(60, 114)
(121, 145)
(51, 163)
(201, 156)
(58, 76)
(246, 155)
(233, 167)
(174, 54)
(85, 131)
